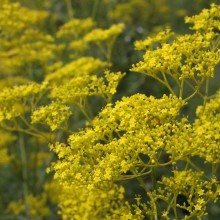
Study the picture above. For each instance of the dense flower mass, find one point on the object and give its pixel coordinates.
(110, 148)
(21, 41)
(5, 140)
(190, 55)
(207, 20)
(13, 101)
(207, 130)
(186, 57)
(53, 115)
(75, 27)
(81, 87)
(82, 138)
(78, 68)
(99, 35)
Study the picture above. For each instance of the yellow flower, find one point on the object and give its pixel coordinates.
(13, 101)
(6, 138)
(76, 27)
(21, 39)
(54, 115)
(83, 66)
(208, 19)
(108, 35)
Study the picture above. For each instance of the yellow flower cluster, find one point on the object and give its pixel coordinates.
(102, 154)
(54, 115)
(79, 200)
(161, 38)
(12, 81)
(84, 66)
(186, 57)
(138, 138)
(36, 207)
(53, 190)
(14, 18)
(131, 11)
(108, 35)
(189, 58)
(79, 45)
(6, 138)
(208, 19)
(21, 41)
(79, 32)
(207, 130)
(81, 87)
(14, 101)
(75, 28)
(38, 159)
(190, 185)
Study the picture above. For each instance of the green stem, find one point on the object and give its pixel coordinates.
(181, 88)
(143, 185)
(31, 128)
(24, 171)
(109, 50)
(196, 168)
(156, 165)
(192, 87)
(153, 177)
(174, 208)
(167, 84)
(195, 92)
(69, 7)
(162, 82)
(215, 44)
(89, 108)
(206, 91)
(84, 112)
(19, 129)
(129, 177)
(95, 9)
(175, 77)
(214, 169)
(172, 204)
(103, 50)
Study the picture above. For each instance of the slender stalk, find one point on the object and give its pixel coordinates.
(214, 169)
(172, 204)
(194, 93)
(164, 83)
(197, 168)
(192, 87)
(109, 50)
(206, 91)
(84, 112)
(153, 178)
(69, 7)
(95, 8)
(17, 128)
(167, 84)
(89, 108)
(31, 128)
(143, 185)
(156, 165)
(174, 208)
(129, 177)
(181, 88)
(175, 78)
(24, 171)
